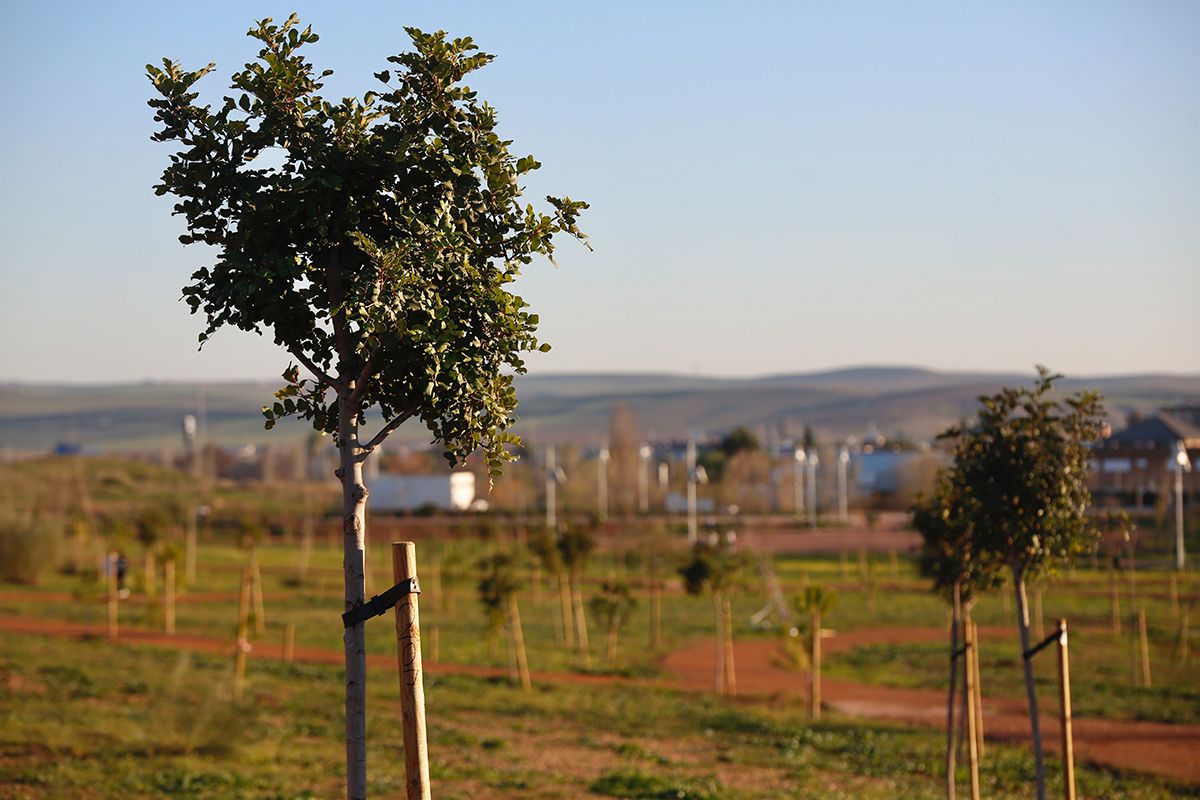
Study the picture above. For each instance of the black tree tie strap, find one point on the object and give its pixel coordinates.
(380, 603)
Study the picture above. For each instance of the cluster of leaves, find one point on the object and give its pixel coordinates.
(1016, 494)
(613, 605)
(373, 237)
(714, 566)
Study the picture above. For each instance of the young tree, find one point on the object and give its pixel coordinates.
(948, 557)
(499, 584)
(814, 602)
(612, 607)
(720, 570)
(373, 238)
(575, 546)
(1022, 489)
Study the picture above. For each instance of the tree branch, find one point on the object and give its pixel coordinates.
(361, 381)
(384, 432)
(311, 366)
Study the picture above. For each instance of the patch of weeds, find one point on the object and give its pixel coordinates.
(640, 786)
(493, 743)
(67, 680)
(635, 752)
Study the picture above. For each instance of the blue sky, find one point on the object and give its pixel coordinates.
(776, 187)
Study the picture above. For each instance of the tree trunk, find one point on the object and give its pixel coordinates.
(814, 672)
(1030, 691)
(354, 504)
(950, 749)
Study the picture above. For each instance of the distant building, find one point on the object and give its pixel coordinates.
(1137, 464)
(453, 491)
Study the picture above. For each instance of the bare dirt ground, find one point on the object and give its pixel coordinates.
(1169, 750)
(1162, 749)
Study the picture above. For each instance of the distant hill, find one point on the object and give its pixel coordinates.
(911, 401)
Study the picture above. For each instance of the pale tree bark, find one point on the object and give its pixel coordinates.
(1030, 691)
(719, 671)
(730, 674)
(581, 631)
(565, 612)
(354, 503)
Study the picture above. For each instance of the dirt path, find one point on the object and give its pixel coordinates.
(1168, 750)
(1159, 748)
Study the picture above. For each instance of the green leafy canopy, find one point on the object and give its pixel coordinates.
(374, 237)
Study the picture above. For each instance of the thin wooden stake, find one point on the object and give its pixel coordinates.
(730, 674)
(1114, 596)
(518, 636)
(972, 710)
(1184, 612)
(1064, 687)
(189, 556)
(814, 672)
(169, 596)
(260, 612)
(242, 647)
(289, 643)
(719, 671)
(1039, 630)
(1145, 647)
(412, 683)
(655, 614)
(113, 599)
(978, 689)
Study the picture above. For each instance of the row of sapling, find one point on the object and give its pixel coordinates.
(1014, 500)
(499, 584)
(376, 250)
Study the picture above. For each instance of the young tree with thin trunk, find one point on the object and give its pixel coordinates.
(948, 557)
(499, 584)
(575, 546)
(612, 608)
(815, 602)
(718, 569)
(373, 239)
(1022, 473)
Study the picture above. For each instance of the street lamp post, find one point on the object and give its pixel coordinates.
(799, 457)
(602, 483)
(843, 499)
(644, 453)
(814, 461)
(1182, 464)
(554, 476)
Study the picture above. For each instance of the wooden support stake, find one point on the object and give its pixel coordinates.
(1144, 641)
(1115, 603)
(814, 672)
(1039, 628)
(719, 666)
(978, 689)
(1064, 687)
(730, 674)
(189, 556)
(169, 596)
(972, 710)
(113, 599)
(655, 614)
(412, 683)
(150, 572)
(260, 611)
(289, 643)
(518, 637)
(242, 647)
(1184, 612)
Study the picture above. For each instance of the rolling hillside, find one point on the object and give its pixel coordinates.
(912, 401)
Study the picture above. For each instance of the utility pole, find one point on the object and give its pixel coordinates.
(553, 476)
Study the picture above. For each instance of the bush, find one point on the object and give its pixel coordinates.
(27, 548)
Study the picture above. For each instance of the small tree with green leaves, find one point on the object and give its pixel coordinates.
(612, 607)
(499, 584)
(575, 546)
(373, 239)
(717, 568)
(948, 557)
(814, 602)
(1021, 487)
(544, 547)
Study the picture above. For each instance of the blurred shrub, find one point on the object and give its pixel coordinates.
(28, 547)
